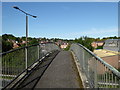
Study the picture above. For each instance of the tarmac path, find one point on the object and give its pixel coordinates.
(61, 73)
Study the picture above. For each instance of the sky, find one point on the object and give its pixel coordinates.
(60, 0)
(66, 20)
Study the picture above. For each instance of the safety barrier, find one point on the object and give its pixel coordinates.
(99, 74)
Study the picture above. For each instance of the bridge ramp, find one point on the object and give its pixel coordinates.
(61, 73)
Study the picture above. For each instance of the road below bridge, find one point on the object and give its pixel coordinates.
(61, 73)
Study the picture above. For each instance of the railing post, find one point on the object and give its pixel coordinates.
(1, 71)
(38, 51)
(95, 73)
(26, 39)
(26, 57)
(83, 59)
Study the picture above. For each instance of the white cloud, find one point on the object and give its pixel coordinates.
(94, 32)
(59, 0)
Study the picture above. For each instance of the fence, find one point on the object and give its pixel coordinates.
(17, 60)
(99, 74)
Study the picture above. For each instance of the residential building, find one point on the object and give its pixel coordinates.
(112, 44)
(97, 43)
(64, 45)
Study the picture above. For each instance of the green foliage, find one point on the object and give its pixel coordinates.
(33, 41)
(99, 47)
(18, 39)
(67, 48)
(7, 40)
(6, 46)
(23, 38)
(8, 36)
(14, 60)
(85, 41)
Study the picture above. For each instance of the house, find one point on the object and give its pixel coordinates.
(64, 45)
(23, 42)
(97, 43)
(15, 45)
(112, 44)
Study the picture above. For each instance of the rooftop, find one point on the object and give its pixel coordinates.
(104, 53)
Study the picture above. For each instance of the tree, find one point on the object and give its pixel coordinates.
(85, 41)
(8, 36)
(18, 39)
(33, 41)
(6, 46)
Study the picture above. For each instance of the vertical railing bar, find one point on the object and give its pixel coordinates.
(95, 72)
(98, 73)
(3, 71)
(9, 69)
(83, 59)
(112, 81)
(115, 84)
(12, 66)
(26, 57)
(88, 68)
(17, 67)
(101, 75)
(4, 74)
(109, 78)
(119, 83)
(104, 76)
(7, 73)
(38, 51)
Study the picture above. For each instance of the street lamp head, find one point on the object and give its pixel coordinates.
(15, 7)
(35, 16)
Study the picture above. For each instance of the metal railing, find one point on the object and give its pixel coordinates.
(14, 61)
(99, 74)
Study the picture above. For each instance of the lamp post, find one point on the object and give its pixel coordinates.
(27, 14)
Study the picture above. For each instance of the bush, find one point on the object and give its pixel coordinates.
(99, 47)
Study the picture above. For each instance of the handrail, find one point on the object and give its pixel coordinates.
(116, 72)
(14, 61)
(24, 47)
(99, 74)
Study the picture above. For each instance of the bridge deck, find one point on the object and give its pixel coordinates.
(56, 71)
(61, 73)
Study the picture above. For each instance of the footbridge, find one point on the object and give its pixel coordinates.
(47, 66)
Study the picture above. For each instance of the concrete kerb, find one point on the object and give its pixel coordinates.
(80, 72)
